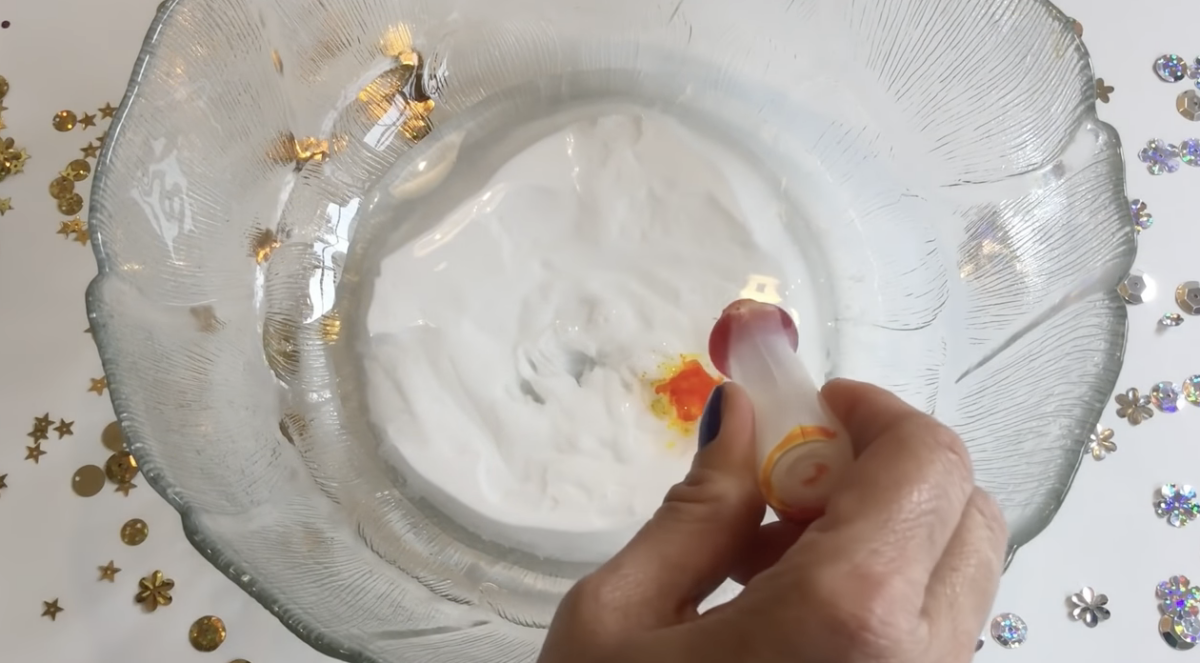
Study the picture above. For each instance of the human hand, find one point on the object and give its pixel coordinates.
(902, 568)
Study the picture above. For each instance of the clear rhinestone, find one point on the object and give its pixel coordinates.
(1009, 630)
(1171, 320)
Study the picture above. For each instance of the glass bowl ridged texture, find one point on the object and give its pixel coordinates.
(975, 234)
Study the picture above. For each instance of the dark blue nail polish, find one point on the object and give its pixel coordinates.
(710, 421)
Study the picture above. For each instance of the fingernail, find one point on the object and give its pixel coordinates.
(710, 421)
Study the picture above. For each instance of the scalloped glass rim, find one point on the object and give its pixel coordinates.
(204, 540)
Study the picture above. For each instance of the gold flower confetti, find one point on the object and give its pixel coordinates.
(154, 590)
(262, 244)
(90, 151)
(1134, 407)
(1103, 90)
(134, 532)
(109, 571)
(87, 481)
(87, 120)
(34, 453)
(5, 205)
(64, 120)
(64, 428)
(124, 487)
(121, 467)
(51, 609)
(112, 437)
(207, 633)
(108, 111)
(70, 205)
(99, 385)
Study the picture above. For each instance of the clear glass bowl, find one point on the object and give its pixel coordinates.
(963, 207)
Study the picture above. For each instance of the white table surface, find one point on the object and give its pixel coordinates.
(74, 54)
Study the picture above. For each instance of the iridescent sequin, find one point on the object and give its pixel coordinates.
(1177, 503)
(1189, 152)
(1178, 597)
(1171, 68)
(1170, 320)
(1165, 397)
(1142, 219)
(1009, 630)
(1191, 390)
(1160, 157)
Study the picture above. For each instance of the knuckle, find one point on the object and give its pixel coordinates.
(863, 610)
(589, 596)
(987, 511)
(946, 444)
(703, 495)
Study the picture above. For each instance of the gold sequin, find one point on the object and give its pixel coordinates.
(64, 120)
(134, 532)
(207, 633)
(154, 590)
(78, 170)
(121, 467)
(51, 609)
(99, 385)
(35, 453)
(108, 111)
(112, 437)
(70, 205)
(88, 481)
(109, 571)
(262, 244)
(61, 187)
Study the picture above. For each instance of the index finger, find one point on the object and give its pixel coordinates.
(897, 506)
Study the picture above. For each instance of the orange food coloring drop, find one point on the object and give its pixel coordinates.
(684, 392)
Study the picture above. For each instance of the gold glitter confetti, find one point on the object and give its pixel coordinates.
(134, 532)
(154, 590)
(5, 205)
(64, 428)
(112, 438)
(87, 120)
(51, 609)
(61, 187)
(90, 151)
(206, 319)
(262, 244)
(207, 633)
(70, 205)
(124, 488)
(99, 385)
(64, 120)
(87, 481)
(1103, 90)
(108, 111)
(78, 170)
(34, 453)
(121, 467)
(109, 571)
(278, 61)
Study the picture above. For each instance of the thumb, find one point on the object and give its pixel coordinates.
(703, 526)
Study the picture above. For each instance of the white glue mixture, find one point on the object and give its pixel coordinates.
(511, 346)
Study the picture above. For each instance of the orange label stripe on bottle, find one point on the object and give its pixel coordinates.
(794, 438)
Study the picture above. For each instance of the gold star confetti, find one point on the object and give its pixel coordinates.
(101, 138)
(109, 571)
(154, 590)
(64, 120)
(38, 434)
(66, 228)
(124, 487)
(34, 453)
(99, 385)
(3, 86)
(207, 633)
(134, 532)
(2, 124)
(87, 120)
(51, 609)
(90, 151)
(5, 205)
(263, 244)
(64, 428)
(3, 485)
(107, 112)
(43, 422)
(1103, 90)
(82, 236)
